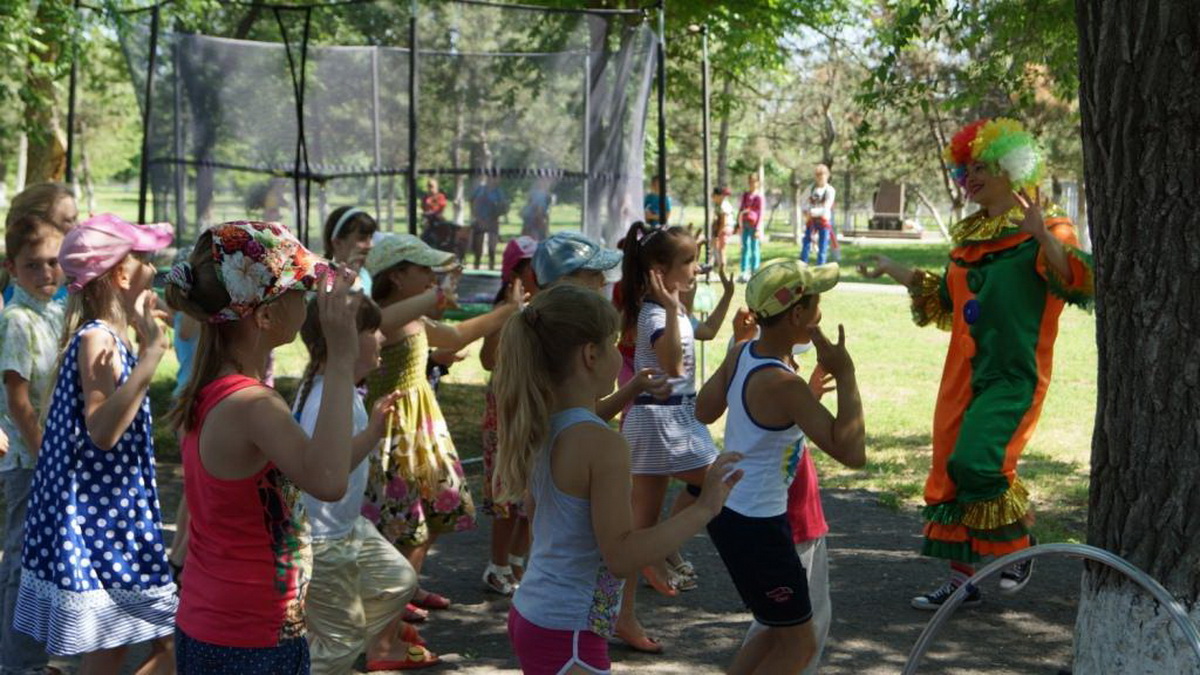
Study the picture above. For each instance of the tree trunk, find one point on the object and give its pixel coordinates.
(723, 135)
(1140, 104)
(85, 170)
(47, 150)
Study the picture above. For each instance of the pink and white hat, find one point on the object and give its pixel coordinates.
(521, 248)
(100, 243)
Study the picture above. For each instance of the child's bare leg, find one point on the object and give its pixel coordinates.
(519, 546)
(161, 660)
(783, 650)
(502, 537)
(648, 493)
(103, 661)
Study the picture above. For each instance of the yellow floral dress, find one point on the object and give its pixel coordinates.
(416, 485)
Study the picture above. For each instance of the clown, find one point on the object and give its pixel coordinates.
(1014, 265)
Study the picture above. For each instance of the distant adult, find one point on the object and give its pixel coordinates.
(1014, 265)
(535, 215)
(656, 205)
(489, 203)
(818, 210)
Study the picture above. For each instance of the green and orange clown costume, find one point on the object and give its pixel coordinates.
(1001, 302)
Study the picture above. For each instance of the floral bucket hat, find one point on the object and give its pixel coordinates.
(258, 262)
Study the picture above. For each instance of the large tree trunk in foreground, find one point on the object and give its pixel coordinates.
(1140, 103)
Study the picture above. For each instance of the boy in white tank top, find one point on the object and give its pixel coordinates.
(770, 410)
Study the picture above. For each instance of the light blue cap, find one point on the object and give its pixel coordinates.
(568, 252)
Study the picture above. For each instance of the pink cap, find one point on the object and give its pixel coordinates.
(521, 248)
(100, 243)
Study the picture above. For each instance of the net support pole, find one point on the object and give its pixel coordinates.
(375, 127)
(587, 141)
(704, 75)
(180, 169)
(412, 118)
(73, 81)
(662, 112)
(147, 109)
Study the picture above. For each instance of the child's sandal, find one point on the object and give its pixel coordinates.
(497, 579)
(517, 563)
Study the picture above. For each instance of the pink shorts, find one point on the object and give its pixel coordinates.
(542, 651)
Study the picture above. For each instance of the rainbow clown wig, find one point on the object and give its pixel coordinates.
(1001, 143)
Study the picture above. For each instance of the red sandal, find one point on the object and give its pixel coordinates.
(427, 600)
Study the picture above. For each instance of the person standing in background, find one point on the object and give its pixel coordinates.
(657, 214)
(819, 211)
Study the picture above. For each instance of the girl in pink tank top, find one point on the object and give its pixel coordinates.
(245, 458)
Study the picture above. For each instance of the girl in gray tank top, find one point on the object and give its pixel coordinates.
(557, 357)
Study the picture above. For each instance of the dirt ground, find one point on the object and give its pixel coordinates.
(874, 570)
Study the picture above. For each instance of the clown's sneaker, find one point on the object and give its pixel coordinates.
(932, 601)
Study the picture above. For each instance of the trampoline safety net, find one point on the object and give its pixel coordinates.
(528, 120)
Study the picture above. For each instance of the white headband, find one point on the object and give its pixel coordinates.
(337, 227)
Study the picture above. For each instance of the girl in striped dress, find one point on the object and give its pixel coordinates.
(665, 438)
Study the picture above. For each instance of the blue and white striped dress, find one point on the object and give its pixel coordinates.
(665, 438)
(94, 572)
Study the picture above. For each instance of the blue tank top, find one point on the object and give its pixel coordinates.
(567, 586)
(185, 350)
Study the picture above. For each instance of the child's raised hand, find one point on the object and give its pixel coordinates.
(381, 410)
(338, 307)
(150, 334)
(881, 264)
(3, 443)
(659, 293)
(744, 325)
(820, 382)
(719, 481)
(727, 287)
(654, 382)
(833, 358)
(516, 294)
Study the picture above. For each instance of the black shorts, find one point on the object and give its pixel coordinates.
(762, 560)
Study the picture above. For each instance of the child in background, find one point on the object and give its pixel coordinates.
(749, 221)
(30, 326)
(245, 458)
(557, 358)
(818, 214)
(510, 527)
(94, 575)
(416, 490)
(348, 234)
(770, 410)
(666, 441)
(722, 224)
(360, 582)
(53, 202)
(574, 258)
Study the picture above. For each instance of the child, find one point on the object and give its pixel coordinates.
(30, 326)
(819, 216)
(557, 357)
(416, 489)
(510, 527)
(804, 511)
(749, 221)
(664, 437)
(656, 206)
(770, 410)
(245, 458)
(360, 583)
(722, 223)
(55, 203)
(94, 575)
(571, 256)
(347, 235)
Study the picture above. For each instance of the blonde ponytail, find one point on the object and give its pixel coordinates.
(537, 347)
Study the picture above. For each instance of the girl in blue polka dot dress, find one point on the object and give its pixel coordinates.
(94, 571)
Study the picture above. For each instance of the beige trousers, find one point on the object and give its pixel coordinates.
(360, 583)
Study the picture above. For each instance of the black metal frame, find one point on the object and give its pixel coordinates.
(301, 171)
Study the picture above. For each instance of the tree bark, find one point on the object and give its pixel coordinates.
(1140, 106)
(723, 135)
